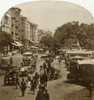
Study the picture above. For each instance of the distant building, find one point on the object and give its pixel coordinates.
(34, 32)
(15, 23)
(23, 29)
(18, 26)
(27, 30)
(6, 22)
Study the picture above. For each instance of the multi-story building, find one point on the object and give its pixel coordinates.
(22, 31)
(6, 22)
(25, 30)
(34, 32)
(18, 26)
(28, 30)
(15, 22)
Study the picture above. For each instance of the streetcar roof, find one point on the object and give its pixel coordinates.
(88, 62)
(77, 57)
(79, 52)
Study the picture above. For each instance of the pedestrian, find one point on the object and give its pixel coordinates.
(49, 64)
(36, 76)
(44, 66)
(90, 88)
(59, 60)
(45, 79)
(33, 85)
(40, 95)
(28, 78)
(16, 81)
(11, 61)
(42, 87)
(46, 95)
(52, 73)
(41, 71)
(23, 87)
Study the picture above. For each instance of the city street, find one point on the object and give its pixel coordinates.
(47, 51)
(58, 89)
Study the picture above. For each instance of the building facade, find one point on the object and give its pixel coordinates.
(18, 26)
(6, 23)
(15, 23)
(34, 32)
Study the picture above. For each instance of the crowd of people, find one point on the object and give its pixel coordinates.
(39, 81)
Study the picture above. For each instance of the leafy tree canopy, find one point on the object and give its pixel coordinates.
(73, 31)
(5, 39)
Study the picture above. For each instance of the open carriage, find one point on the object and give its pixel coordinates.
(28, 64)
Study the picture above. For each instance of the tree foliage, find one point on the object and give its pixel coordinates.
(50, 42)
(73, 31)
(46, 40)
(5, 39)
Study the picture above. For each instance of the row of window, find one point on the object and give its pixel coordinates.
(17, 26)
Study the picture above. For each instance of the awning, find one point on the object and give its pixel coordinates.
(17, 44)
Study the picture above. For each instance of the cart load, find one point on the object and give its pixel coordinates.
(9, 78)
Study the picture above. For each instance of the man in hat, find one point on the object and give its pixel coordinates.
(23, 87)
(40, 95)
(16, 81)
(46, 95)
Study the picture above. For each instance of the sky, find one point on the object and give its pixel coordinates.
(50, 15)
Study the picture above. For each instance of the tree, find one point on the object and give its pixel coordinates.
(66, 31)
(5, 39)
(72, 32)
(55, 45)
(46, 40)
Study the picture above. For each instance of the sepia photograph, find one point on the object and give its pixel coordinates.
(47, 52)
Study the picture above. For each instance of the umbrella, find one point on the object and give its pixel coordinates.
(27, 53)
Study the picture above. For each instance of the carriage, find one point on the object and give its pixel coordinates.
(28, 64)
(9, 78)
(86, 70)
(82, 71)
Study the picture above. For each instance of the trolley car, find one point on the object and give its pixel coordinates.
(82, 71)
